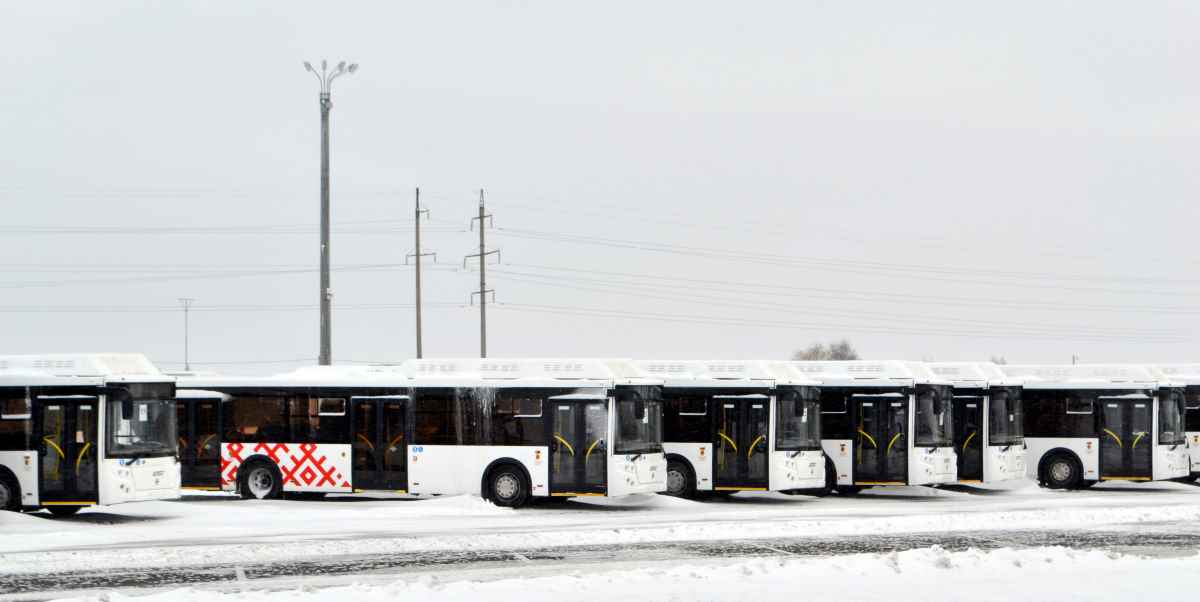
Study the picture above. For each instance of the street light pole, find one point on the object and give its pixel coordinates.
(325, 77)
(187, 305)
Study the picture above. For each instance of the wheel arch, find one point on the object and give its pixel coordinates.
(686, 462)
(487, 471)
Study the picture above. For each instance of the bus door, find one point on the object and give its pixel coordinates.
(199, 444)
(881, 446)
(1126, 443)
(578, 454)
(740, 444)
(380, 432)
(969, 437)
(68, 428)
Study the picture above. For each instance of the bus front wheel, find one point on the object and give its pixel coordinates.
(507, 486)
(259, 481)
(1061, 472)
(680, 482)
(10, 494)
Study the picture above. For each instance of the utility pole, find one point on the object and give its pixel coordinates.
(483, 289)
(417, 255)
(187, 306)
(325, 77)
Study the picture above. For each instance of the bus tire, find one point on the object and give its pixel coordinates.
(10, 492)
(64, 511)
(830, 479)
(1060, 470)
(507, 486)
(259, 480)
(681, 480)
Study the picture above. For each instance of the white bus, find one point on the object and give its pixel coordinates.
(883, 423)
(510, 430)
(85, 430)
(1095, 422)
(988, 421)
(732, 426)
(1187, 375)
(521, 430)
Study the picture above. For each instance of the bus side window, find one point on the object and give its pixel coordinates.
(255, 419)
(317, 420)
(15, 420)
(435, 423)
(686, 417)
(517, 419)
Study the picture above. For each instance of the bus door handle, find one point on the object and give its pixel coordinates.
(793, 454)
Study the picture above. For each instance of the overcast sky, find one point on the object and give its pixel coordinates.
(945, 180)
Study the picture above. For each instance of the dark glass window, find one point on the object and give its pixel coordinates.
(252, 418)
(16, 423)
(518, 419)
(1005, 422)
(1170, 417)
(639, 424)
(798, 419)
(436, 423)
(317, 419)
(1191, 418)
(933, 417)
(685, 417)
(1059, 413)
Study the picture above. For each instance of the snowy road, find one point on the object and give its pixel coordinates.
(221, 544)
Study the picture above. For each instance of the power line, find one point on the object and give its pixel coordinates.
(877, 269)
(727, 321)
(650, 292)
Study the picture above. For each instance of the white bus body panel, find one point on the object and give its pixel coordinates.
(699, 455)
(932, 465)
(1003, 463)
(1086, 448)
(24, 465)
(796, 470)
(838, 450)
(1193, 444)
(636, 473)
(304, 467)
(458, 469)
(138, 480)
(1170, 463)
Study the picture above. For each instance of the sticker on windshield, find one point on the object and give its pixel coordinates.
(143, 413)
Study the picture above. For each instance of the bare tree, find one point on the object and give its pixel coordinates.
(835, 350)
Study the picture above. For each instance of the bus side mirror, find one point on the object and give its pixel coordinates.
(127, 409)
(639, 409)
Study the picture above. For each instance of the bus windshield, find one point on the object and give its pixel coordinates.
(798, 423)
(140, 422)
(639, 425)
(1170, 417)
(933, 416)
(1005, 421)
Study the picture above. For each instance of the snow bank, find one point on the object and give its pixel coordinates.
(929, 575)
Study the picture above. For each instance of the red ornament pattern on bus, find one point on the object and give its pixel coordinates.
(304, 466)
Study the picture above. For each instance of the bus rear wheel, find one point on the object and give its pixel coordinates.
(64, 511)
(680, 482)
(1061, 472)
(259, 481)
(10, 494)
(507, 486)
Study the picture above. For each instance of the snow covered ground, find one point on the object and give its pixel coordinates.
(471, 548)
(930, 575)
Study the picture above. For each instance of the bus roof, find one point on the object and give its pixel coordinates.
(526, 372)
(1185, 374)
(308, 376)
(973, 374)
(864, 373)
(1080, 376)
(78, 369)
(724, 373)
